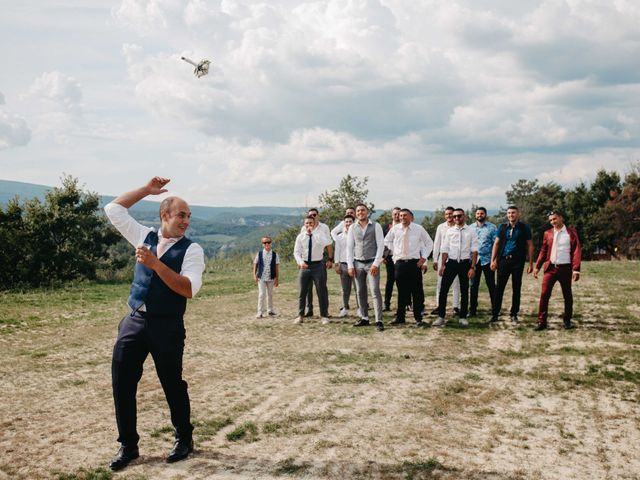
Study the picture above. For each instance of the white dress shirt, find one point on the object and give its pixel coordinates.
(340, 248)
(420, 243)
(437, 241)
(459, 243)
(135, 233)
(323, 227)
(357, 229)
(318, 241)
(562, 244)
(337, 230)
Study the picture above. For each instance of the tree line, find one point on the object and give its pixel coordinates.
(605, 212)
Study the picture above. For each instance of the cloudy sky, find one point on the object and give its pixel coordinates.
(437, 102)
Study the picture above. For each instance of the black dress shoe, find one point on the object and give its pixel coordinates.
(309, 314)
(387, 308)
(380, 326)
(361, 323)
(568, 325)
(540, 327)
(434, 311)
(397, 322)
(180, 451)
(421, 324)
(494, 320)
(123, 457)
(456, 310)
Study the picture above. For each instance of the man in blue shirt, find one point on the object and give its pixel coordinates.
(510, 250)
(486, 233)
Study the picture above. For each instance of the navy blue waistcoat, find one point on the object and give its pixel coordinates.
(148, 289)
(261, 264)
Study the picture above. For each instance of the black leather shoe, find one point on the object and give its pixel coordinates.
(380, 326)
(397, 322)
(434, 311)
(123, 457)
(421, 324)
(540, 327)
(387, 308)
(180, 451)
(568, 325)
(494, 320)
(309, 314)
(456, 310)
(361, 323)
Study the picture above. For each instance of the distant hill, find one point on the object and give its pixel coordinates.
(217, 229)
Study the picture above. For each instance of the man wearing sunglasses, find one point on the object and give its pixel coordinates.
(459, 257)
(510, 250)
(266, 271)
(561, 255)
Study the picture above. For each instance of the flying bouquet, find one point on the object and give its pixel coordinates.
(202, 68)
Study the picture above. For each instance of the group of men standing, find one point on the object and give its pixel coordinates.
(462, 255)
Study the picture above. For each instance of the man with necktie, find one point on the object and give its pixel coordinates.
(308, 253)
(168, 271)
(561, 255)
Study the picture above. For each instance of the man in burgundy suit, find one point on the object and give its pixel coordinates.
(561, 255)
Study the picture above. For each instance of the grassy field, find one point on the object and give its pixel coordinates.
(275, 400)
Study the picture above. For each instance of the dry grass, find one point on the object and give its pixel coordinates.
(271, 399)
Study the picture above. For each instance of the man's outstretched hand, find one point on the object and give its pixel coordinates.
(156, 184)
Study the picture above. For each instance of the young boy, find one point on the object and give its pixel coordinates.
(266, 271)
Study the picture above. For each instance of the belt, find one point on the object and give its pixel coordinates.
(316, 262)
(559, 265)
(370, 260)
(343, 263)
(408, 260)
(462, 260)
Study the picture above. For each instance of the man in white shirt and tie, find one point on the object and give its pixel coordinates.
(308, 253)
(459, 257)
(315, 214)
(411, 245)
(365, 246)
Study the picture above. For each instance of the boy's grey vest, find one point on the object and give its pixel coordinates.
(148, 289)
(365, 242)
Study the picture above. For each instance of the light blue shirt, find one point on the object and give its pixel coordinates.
(486, 234)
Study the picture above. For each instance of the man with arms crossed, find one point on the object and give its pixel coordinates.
(388, 261)
(561, 255)
(510, 250)
(365, 246)
(486, 233)
(308, 253)
(340, 251)
(459, 256)
(437, 260)
(168, 271)
(411, 245)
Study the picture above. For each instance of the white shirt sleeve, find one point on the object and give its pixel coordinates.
(193, 267)
(436, 243)
(337, 230)
(131, 230)
(444, 248)
(297, 250)
(350, 246)
(379, 243)
(427, 244)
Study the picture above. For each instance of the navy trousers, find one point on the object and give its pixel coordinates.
(138, 335)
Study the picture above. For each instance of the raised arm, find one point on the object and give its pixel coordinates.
(153, 187)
